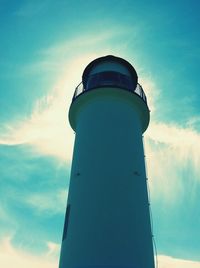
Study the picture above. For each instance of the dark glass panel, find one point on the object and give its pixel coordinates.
(114, 79)
(66, 222)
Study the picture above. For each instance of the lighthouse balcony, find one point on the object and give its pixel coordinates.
(109, 79)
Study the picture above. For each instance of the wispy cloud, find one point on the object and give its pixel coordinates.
(48, 132)
(58, 57)
(11, 257)
(194, 122)
(53, 250)
(170, 149)
(47, 129)
(167, 261)
(151, 90)
(52, 203)
(185, 142)
(78, 43)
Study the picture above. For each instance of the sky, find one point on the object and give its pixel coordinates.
(45, 46)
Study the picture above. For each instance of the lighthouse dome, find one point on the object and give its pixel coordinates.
(109, 71)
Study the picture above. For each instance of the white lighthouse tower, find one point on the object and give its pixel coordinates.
(107, 222)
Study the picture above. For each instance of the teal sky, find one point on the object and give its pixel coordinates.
(44, 48)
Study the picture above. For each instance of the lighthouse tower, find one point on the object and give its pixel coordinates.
(107, 221)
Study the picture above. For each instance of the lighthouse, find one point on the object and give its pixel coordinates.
(107, 220)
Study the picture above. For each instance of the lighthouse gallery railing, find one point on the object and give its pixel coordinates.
(122, 82)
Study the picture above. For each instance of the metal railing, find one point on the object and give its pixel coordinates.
(138, 90)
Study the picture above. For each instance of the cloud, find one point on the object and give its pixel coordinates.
(170, 150)
(78, 43)
(47, 130)
(173, 135)
(11, 257)
(194, 122)
(71, 55)
(53, 250)
(184, 142)
(151, 91)
(50, 202)
(167, 261)
(59, 57)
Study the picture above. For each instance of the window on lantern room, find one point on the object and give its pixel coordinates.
(109, 78)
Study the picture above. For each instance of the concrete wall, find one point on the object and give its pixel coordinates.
(108, 224)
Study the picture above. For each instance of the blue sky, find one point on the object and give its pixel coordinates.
(45, 46)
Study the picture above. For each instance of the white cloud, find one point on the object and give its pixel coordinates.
(59, 58)
(48, 129)
(151, 91)
(50, 202)
(91, 39)
(173, 135)
(11, 257)
(170, 149)
(183, 142)
(193, 122)
(167, 261)
(49, 133)
(53, 250)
